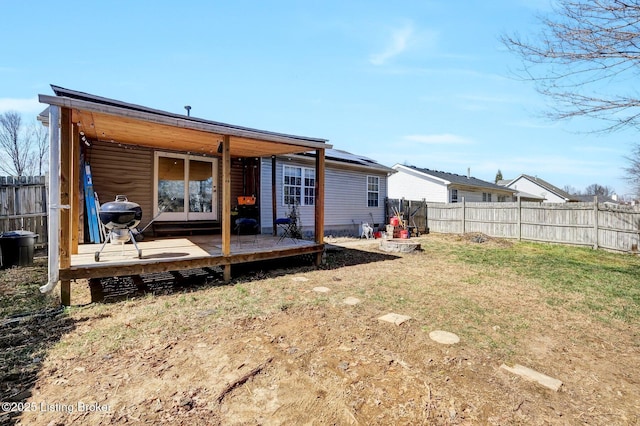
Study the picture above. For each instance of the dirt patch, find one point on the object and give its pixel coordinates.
(270, 350)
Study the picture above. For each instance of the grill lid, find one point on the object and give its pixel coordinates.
(120, 214)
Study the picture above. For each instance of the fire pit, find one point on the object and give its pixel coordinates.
(120, 217)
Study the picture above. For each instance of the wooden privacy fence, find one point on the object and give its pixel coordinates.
(23, 205)
(596, 225)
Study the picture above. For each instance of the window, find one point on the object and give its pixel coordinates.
(185, 187)
(373, 191)
(502, 198)
(486, 196)
(454, 195)
(299, 186)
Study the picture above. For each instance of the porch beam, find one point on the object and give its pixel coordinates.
(274, 201)
(66, 142)
(75, 191)
(226, 203)
(319, 201)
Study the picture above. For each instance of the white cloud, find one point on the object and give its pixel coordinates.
(442, 139)
(24, 106)
(399, 42)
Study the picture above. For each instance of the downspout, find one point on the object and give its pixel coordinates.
(54, 198)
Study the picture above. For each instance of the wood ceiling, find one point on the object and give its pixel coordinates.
(113, 121)
(110, 128)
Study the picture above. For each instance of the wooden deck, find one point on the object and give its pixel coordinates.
(176, 253)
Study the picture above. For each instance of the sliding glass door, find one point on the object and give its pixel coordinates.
(186, 187)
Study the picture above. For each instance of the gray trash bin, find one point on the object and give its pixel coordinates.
(17, 248)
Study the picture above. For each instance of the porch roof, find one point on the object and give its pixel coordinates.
(110, 120)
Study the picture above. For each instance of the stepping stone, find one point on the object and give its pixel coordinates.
(351, 301)
(396, 319)
(321, 289)
(529, 374)
(300, 279)
(444, 337)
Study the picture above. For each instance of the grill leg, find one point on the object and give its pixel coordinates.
(106, 239)
(133, 240)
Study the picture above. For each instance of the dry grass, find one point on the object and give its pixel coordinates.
(168, 359)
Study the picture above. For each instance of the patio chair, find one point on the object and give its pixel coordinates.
(287, 229)
(247, 226)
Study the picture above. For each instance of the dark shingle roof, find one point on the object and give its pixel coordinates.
(82, 96)
(549, 187)
(347, 157)
(589, 199)
(461, 179)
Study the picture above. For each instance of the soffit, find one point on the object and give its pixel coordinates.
(121, 125)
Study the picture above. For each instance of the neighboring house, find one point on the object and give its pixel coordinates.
(541, 188)
(413, 183)
(523, 196)
(355, 191)
(613, 200)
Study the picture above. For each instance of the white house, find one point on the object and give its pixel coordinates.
(355, 191)
(413, 183)
(539, 187)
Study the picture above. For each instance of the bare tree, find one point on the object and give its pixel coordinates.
(40, 137)
(570, 190)
(633, 169)
(600, 190)
(586, 60)
(16, 146)
(23, 150)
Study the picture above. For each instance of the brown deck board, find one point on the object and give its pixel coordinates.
(176, 253)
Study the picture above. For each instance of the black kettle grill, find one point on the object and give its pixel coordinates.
(120, 217)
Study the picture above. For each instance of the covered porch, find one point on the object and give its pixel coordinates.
(84, 118)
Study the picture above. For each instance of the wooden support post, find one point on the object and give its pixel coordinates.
(226, 272)
(274, 201)
(319, 195)
(66, 141)
(75, 191)
(65, 292)
(226, 196)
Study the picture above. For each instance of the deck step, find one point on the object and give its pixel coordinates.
(186, 227)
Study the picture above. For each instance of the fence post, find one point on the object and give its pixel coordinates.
(595, 222)
(426, 216)
(519, 218)
(464, 214)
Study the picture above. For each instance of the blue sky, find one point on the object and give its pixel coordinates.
(425, 83)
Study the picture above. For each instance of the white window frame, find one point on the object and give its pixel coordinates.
(370, 191)
(454, 195)
(186, 215)
(307, 189)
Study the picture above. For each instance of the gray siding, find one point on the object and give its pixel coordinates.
(345, 197)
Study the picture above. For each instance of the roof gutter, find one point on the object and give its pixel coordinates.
(54, 199)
